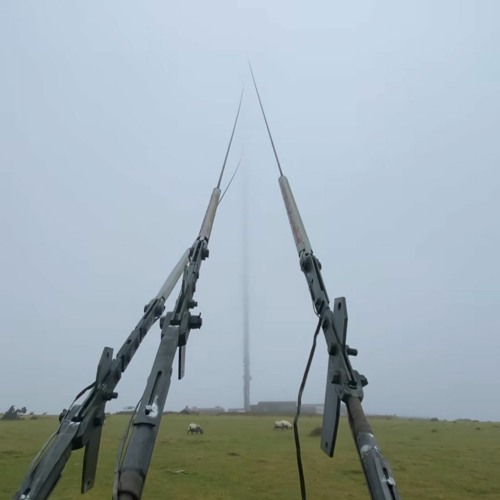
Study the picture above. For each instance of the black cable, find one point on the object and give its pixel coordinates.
(77, 397)
(82, 392)
(296, 419)
(121, 450)
(49, 441)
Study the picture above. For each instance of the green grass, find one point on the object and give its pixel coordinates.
(242, 457)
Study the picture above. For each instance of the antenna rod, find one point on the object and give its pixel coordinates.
(230, 180)
(231, 139)
(206, 226)
(265, 119)
(82, 424)
(134, 461)
(344, 384)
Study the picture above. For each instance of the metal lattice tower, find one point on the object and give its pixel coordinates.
(246, 320)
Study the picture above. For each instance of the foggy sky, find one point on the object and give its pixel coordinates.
(114, 121)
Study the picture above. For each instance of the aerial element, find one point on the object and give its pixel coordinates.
(343, 382)
(82, 424)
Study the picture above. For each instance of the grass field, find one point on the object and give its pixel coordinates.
(242, 457)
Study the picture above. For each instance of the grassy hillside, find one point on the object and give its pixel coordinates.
(242, 457)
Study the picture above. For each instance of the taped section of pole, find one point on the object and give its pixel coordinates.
(298, 229)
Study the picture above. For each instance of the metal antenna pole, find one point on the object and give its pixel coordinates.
(82, 425)
(134, 460)
(343, 382)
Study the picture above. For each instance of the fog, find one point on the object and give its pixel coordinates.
(114, 123)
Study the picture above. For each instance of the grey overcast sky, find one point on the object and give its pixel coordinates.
(114, 120)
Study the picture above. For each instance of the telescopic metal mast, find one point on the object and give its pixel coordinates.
(343, 382)
(133, 461)
(246, 314)
(81, 427)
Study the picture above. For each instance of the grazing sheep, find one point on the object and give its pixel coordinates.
(282, 424)
(195, 429)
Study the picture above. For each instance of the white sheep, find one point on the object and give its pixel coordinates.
(282, 424)
(195, 429)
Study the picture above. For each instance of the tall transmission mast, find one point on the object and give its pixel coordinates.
(246, 319)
